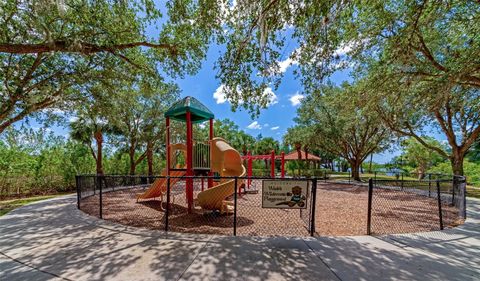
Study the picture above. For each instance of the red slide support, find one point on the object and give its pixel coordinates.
(272, 164)
(189, 185)
(272, 157)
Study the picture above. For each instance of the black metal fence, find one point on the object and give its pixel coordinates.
(238, 208)
(235, 209)
(402, 206)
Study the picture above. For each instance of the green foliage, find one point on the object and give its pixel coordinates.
(343, 129)
(39, 163)
(261, 172)
(418, 156)
(474, 154)
(51, 49)
(472, 171)
(266, 145)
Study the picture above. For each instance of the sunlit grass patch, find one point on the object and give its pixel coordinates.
(8, 205)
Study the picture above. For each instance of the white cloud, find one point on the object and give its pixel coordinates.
(58, 111)
(343, 50)
(202, 125)
(254, 126)
(275, 128)
(220, 97)
(72, 119)
(272, 98)
(296, 99)
(266, 125)
(219, 94)
(285, 64)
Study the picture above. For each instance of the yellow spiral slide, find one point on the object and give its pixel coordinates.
(226, 161)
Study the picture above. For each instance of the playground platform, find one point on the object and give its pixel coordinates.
(52, 240)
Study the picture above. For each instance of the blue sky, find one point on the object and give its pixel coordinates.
(273, 120)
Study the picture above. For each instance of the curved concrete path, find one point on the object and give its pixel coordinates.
(52, 240)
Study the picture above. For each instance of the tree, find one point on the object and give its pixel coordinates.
(298, 137)
(49, 49)
(474, 154)
(265, 146)
(91, 126)
(341, 128)
(138, 112)
(408, 111)
(420, 157)
(423, 57)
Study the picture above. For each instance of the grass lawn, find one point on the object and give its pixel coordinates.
(8, 205)
(366, 176)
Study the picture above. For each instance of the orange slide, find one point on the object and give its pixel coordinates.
(159, 186)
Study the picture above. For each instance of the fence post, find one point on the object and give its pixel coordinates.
(167, 209)
(99, 181)
(463, 194)
(235, 208)
(314, 202)
(439, 199)
(453, 191)
(402, 181)
(369, 211)
(77, 183)
(429, 185)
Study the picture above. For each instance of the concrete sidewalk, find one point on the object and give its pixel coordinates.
(52, 240)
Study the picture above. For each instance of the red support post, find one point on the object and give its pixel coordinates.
(189, 181)
(272, 164)
(167, 142)
(249, 168)
(283, 164)
(210, 174)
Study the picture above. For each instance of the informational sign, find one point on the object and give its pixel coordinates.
(284, 194)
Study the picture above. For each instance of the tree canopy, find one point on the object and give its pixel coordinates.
(50, 49)
(330, 123)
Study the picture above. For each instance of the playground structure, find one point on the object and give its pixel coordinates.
(381, 207)
(215, 158)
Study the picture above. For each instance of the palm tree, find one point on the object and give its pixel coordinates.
(265, 146)
(89, 128)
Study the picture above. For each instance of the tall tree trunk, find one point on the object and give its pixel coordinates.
(150, 158)
(421, 171)
(457, 162)
(98, 135)
(131, 154)
(355, 166)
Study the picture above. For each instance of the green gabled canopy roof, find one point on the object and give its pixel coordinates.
(199, 112)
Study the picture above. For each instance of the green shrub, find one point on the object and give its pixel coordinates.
(260, 172)
(470, 169)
